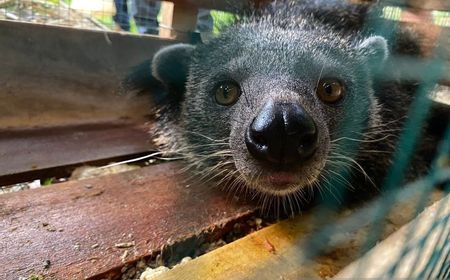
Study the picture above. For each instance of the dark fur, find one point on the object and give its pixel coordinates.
(280, 53)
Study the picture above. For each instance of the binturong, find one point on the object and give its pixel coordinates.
(286, 103)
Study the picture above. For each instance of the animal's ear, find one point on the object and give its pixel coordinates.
(164, 76)
(374, 50)
(170, 66)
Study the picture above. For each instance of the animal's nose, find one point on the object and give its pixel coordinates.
(282, 133)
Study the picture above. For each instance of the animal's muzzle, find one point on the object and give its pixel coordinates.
(282, 133)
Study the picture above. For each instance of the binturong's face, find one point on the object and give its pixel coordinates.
(272, 113)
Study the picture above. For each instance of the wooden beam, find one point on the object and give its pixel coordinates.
(81, 229)
(55, 76)
(179, 20)
(166, 19)
(34, 149)
(280, 251)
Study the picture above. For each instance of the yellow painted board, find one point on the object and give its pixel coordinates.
(277, 252)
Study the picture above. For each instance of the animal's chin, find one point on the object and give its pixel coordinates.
(281, 183)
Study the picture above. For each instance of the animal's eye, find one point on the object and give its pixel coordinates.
(330, 91)
(227, 93)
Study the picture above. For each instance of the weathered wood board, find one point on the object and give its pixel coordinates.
(280, 251)
(54, 76)
(76, 225)
(60, 101)
(36, 149)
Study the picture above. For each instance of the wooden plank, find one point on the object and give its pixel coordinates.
(432, 226)
(280, 251)
(69, 230)
(34, 149)
(184, 21)
(178, 21)
(166, 19)
(53, 75)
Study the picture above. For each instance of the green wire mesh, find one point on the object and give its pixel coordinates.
(392, 187)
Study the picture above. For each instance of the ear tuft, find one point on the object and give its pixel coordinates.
(170, 66)
(375, 50)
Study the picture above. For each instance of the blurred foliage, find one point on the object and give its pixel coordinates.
(221, 20)
(47, 181)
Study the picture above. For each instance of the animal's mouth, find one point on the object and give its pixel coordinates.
(280, 179)
(284, 182)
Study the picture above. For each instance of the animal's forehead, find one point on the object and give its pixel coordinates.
(288, 40)
(268, 45)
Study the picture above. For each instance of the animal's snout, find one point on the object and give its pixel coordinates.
(282, 133)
